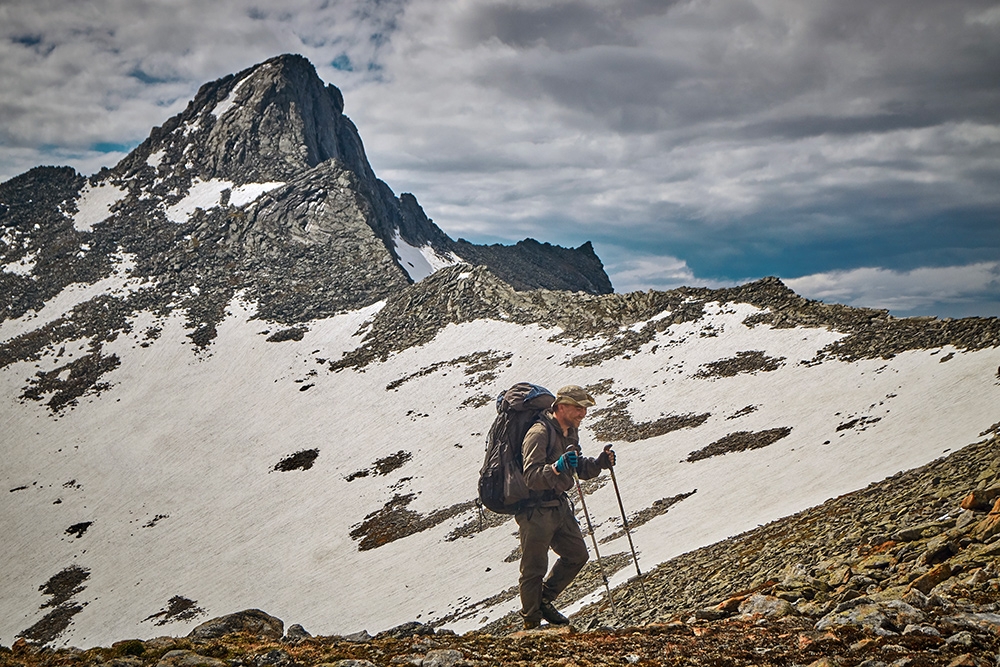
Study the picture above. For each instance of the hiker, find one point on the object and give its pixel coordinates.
(551, 457)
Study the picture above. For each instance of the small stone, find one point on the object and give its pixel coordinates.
(183, 658)
(825, 662)
(862, 644)
(710, 614)
(442, 658)
(916, 599)
(964, 660)
(273, 658)
(963, 638)
(130, 661)
(545, 630)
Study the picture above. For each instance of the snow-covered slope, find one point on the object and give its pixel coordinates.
(251, 474)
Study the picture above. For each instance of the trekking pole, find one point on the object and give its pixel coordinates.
(628, 533)
(593, 538)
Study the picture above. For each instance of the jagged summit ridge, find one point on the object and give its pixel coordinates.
(627, 322)
(266, 123)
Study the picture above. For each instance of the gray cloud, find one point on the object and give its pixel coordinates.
(718, 141)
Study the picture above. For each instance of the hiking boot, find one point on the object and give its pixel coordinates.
(551, 614)
(531, 623)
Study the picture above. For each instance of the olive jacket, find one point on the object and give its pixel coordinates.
(543, 444)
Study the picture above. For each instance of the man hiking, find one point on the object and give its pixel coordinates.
(551, 457)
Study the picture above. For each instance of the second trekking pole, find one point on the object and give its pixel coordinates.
(593, 538)
(628, 532)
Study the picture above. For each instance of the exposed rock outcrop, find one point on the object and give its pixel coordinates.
(253, 622)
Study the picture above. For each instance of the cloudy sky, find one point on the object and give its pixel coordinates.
(850, 147)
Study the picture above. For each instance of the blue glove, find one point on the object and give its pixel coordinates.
(567, 462)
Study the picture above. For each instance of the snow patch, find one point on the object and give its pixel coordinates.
(94, 205)
(420, 262)
(245, 194)
(207, 195)
(225, 105)
(22, 267)
(156, 158)
(202, 194)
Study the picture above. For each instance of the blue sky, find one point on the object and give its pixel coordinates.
(851, 148)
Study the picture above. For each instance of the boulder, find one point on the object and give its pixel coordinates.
(251, 621)
(766, 606)
(925, 582)
(295, 634)
(406, 630)
(881, 618)
(981, 500)
(988, 527)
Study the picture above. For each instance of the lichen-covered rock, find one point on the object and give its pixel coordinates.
(766, 606)
(882, 618)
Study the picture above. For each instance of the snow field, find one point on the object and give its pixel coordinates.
(194, 437)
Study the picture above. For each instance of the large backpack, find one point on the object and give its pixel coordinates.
(501, 480)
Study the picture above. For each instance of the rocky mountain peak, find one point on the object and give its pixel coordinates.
(266, 123)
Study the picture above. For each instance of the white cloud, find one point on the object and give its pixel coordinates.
(638, 274)
(906, 292)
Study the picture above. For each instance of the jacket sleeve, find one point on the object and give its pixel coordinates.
(538, 473)
(587, 468)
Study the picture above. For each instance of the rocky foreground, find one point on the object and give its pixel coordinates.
(905, 573)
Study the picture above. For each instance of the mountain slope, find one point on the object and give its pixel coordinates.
(302, 475)
(223, 387)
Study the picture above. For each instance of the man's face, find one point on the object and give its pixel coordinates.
(570, 415)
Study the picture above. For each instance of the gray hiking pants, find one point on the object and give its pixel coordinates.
(539, 529)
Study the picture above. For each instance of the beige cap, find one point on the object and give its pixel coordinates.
(574, 395)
